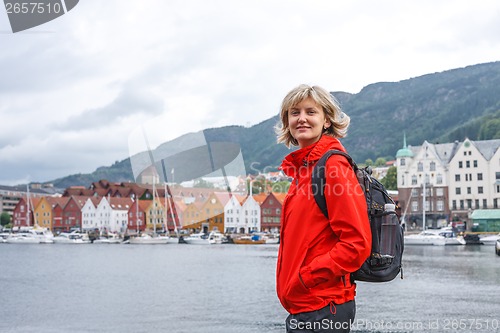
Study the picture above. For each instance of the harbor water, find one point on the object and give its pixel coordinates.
(228, 288)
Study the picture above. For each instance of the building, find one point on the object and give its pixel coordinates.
(486, 220)
(271, 212)
(11, 195)
(453, 179)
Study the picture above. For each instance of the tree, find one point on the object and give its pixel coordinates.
(201, 183)
(281, 187)
(4, 219)
(490, 130)
(380, 162)
(369, 162)
(390, 181)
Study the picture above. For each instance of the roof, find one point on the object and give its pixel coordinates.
(404, 152)
(260, 198)
(120, 203)
(446, 151)
(485, 214)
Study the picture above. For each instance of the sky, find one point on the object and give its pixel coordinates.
(74, 90)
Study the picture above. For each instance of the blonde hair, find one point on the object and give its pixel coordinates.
(339, 120)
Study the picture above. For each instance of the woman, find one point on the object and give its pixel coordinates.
(316, 254)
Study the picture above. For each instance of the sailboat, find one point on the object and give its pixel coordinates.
(154, 238)
(31, 234)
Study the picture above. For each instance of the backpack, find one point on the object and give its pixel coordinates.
(378, 267)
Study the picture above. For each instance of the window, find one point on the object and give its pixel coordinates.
(439, 192)
(469, 203)
(403, 162)
(440, 205)
(469, 191)
(458, 191)
(485, 203)
(495, 203)
(480, 190)
(460, 164)
(433, 166)
(475, 163)
(497, 175)
(477, 203)
(414, 180)
(462, 204)
(420, 166)
(414, 206)
(414, 192)
(439, 178)
(479, 176)
(467, 164)
(457, 178)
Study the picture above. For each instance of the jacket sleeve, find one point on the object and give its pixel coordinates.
(348, 219)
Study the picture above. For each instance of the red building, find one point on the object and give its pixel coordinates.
(270, 210)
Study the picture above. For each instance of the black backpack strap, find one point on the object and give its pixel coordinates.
(318, 179)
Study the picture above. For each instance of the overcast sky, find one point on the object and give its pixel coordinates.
(72, 91)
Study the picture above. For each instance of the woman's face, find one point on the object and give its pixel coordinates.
(306, 121)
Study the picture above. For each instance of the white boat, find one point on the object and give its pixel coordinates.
(109, 239)
(22, 238)
(148, 239)
(3, 237)
(441, 237)
(30, 235)
(45, 235)
(213, 237)
(489, 240)
(71, 238)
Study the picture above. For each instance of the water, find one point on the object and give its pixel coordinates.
(229, 288)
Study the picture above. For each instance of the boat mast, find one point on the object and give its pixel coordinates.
(423, 195)
(137, 214)
(28, 205)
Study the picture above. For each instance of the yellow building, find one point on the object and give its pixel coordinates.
(43, 213)
(155, 215)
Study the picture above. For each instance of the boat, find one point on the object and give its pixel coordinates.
(424, 238)
(22, 238)
(30, 235)
(269, 238)
(3, 237)
(201, 238)
(109, 239)
(148, 239)
(45, 235)
(253, 240)
(490, 239)
(443, 236)
(71, 238)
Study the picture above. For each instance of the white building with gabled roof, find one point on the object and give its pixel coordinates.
(458, 178)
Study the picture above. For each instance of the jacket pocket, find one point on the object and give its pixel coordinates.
(297, 293)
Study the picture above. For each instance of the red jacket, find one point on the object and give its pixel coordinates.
(316, 254)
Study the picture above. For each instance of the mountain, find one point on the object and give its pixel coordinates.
(439, 107)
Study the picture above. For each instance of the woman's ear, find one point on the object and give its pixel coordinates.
(327, 123)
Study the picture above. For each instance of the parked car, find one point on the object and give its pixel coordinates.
(497, 247)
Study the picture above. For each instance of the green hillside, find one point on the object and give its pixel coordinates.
(439, 107)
